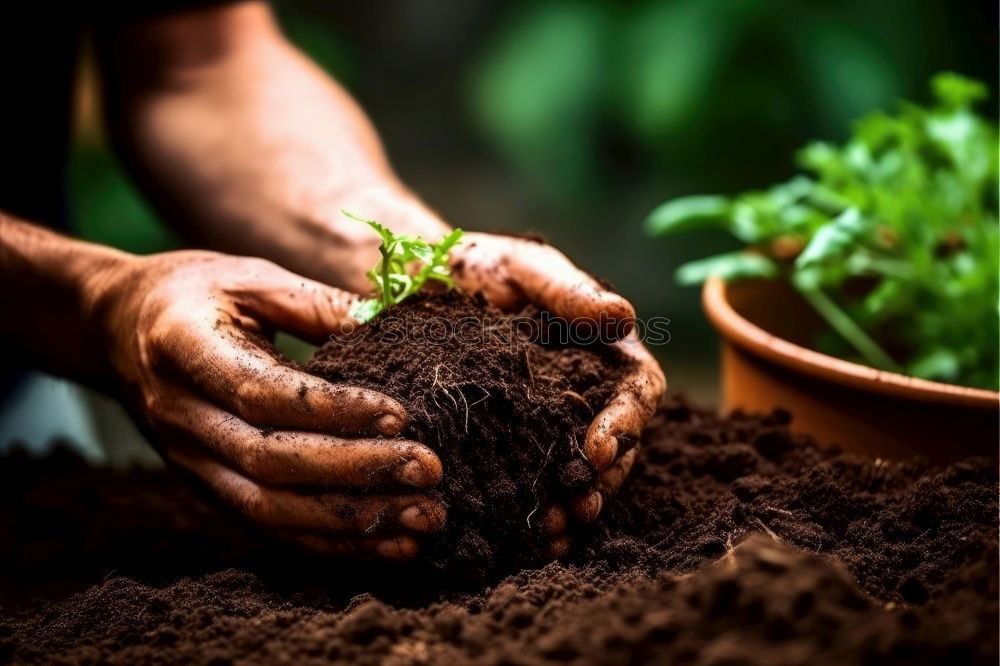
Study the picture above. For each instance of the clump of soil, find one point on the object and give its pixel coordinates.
(506, 415)
(733, 543)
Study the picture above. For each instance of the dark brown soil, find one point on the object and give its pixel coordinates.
(734, 543)
(507, 416)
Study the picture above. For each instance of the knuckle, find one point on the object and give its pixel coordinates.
(252, 503)
(152, 405)
(247, 399)
(255, 462)
(360, 469)
(371, 515)
(408, 548)
(255, 268)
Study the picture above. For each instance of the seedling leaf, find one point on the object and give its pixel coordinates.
(392, 276)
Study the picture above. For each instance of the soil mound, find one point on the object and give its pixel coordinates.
(733, 543)
(503, 402)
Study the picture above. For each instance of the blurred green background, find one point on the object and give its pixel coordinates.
(575, 118)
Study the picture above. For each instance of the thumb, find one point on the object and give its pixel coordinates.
(548, 278)
(305, 308)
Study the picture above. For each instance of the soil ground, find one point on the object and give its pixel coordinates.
(733, 543)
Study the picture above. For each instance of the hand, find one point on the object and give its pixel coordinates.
(511, 272)
(283, 448)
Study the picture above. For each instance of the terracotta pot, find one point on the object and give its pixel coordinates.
(765, 364)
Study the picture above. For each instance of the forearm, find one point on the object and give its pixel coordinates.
(249, 148)
(50, 289)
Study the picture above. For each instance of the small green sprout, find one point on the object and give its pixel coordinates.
(393, 281)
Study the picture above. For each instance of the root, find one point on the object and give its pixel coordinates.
(486, 396)
(578, 398)
(534, 484)
(434, 387)
(446, 390)
(767, 529)
(461, 394)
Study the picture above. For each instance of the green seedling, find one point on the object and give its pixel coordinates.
(407, 263)
(892, 238)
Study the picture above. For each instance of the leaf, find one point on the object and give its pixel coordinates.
(392, 275)
(901, 233)
(956, 91)
(687, 213)
(437, 266)
(940, 364)
(728, 266)
(415, 248)
(365, 310)
(834, 238)
(385, 234)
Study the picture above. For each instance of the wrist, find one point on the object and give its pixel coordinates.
(101, 287)
(60, 281)
(392, 205)
(342, 250)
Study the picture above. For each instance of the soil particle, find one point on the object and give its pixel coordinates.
(809, 557)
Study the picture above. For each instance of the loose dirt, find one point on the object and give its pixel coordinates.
(506, 415)
(733, 543)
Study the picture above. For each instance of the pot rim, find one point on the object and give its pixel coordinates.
(740, 331)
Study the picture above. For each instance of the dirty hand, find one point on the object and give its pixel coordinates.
(511, 272)
(281, 447)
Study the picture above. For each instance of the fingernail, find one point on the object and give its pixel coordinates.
(604, 453)
(400, 548)
(559, 547)
(412, 474)
(413, 517)
(554, 521)
(417, 518)
(388, 425)
(597, 503)
(390, 549)
(423, 517)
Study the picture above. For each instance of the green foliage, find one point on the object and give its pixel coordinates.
(893, 238)
(728, 266)
(391, 276)
(107, 209)
(562, 86)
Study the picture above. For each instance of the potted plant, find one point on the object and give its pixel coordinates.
(866, 299)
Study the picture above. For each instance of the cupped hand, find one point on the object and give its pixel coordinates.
(289, 451)
(511, 272)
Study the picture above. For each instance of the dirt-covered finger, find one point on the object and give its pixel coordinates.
(550, 279)
(559, 547)
(378, 514)
(618, 426)
(288, 302)
(322, 512)
(553, 520)
(287, 457)
(235, 371)
(612, 479)
(586, 508)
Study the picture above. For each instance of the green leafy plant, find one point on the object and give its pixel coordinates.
(393, 278)
(892, 238)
